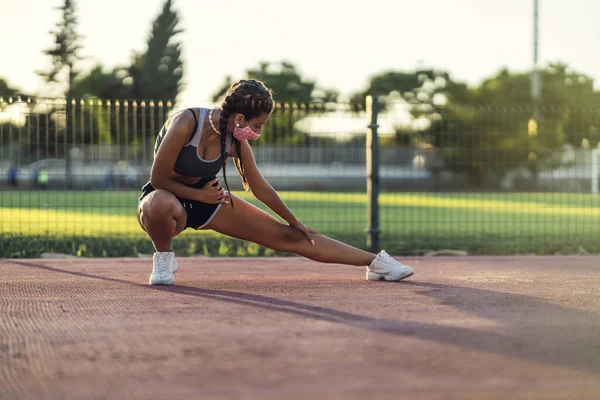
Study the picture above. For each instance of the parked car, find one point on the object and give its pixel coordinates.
(83, 176)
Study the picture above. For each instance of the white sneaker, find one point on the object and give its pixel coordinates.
(384, 267)
(175, 265)
(164, 264)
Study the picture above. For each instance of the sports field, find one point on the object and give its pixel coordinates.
(411, 223)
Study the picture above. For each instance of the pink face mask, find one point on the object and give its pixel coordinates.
(245, 133)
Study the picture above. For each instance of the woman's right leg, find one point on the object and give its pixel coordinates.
(163, 217)
(248, 222)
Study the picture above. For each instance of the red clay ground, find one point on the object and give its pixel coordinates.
(464, 328)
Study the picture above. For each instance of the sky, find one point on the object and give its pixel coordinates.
(339, 44)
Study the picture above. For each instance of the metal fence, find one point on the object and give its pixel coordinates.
(481, 179)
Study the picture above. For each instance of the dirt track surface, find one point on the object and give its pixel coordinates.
(275, 328)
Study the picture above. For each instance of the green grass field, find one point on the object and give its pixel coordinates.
(104, 223)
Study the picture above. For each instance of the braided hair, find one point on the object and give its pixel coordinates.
(251, 98)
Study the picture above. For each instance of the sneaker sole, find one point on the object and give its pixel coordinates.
(373, 276)
(161, 282)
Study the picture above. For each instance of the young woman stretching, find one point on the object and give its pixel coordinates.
(183, 192)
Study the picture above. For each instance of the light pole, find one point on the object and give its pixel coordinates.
(532, 126)
(535, 78)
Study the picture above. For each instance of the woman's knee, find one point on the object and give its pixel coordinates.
(289, 238)
(161, 204)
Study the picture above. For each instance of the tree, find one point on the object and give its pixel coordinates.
(158, 73)
(290, 90)
(64, 55)
(151, 75)
(219, 94)
(326, 95)
(6, 90)
(110, 89)
(6, 126)
(383, 84)
(285, 80)
(65, 52)
(155, 74)
(488, 130)
(568, 105)
(287, 84)
(104, 85)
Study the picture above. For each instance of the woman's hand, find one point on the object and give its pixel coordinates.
(304, 229)
(213, 193)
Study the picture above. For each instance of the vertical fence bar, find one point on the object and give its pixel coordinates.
(82, 124)
(47, 129)
(118, 128)
(26, 141)
(51, 107)
(373, 229)
(56, 128)
(108, 131)
(143, 106)
(134, 129)
(10, 135)
(3, 157)
(169, 106)
(73, 124)
(69, 165)
(2, 132)
(101, 131)
(91, 128)
(152, 119)
(129, 146)
(64, 131)
(30, 106)
(160, 113)
(595, 162)
(22, 140)
(64, 103)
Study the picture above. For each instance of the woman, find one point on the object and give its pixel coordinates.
(183, 192)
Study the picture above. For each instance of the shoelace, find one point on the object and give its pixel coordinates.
(389, 261)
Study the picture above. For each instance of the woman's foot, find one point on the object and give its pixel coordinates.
(163, 266)
(384, 267)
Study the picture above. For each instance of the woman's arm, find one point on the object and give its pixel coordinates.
(175, 138)
(261, 189)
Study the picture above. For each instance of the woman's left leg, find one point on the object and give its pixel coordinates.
(250, 223)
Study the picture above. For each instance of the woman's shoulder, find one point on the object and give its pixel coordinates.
(190, 112)
(185, 116)
(192, 108)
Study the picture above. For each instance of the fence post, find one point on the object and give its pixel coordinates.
(372, 230)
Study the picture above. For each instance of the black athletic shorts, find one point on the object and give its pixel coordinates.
(199, 214)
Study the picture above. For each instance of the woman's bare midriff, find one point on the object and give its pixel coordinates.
(188, 180)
